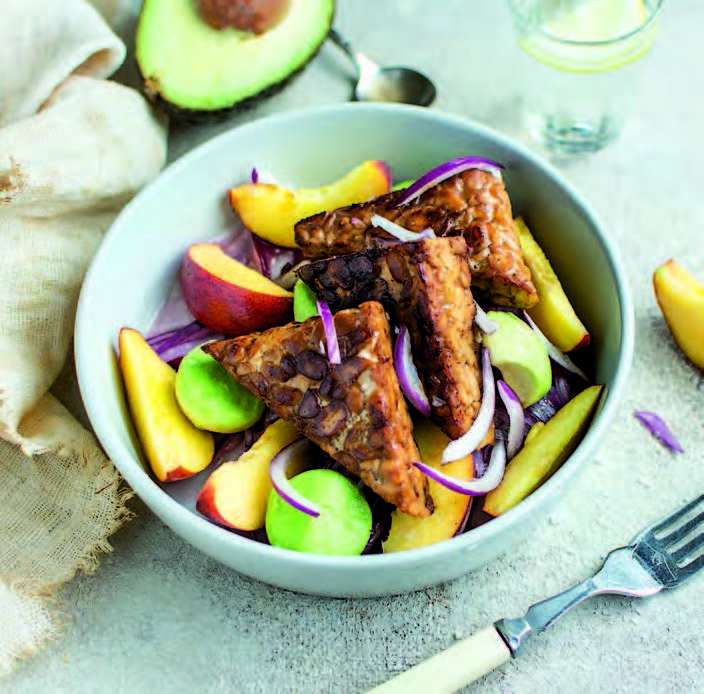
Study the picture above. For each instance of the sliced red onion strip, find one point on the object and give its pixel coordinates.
(408, 374)
(175, 344)
(273, 259)
(254, 176)
(280, 482)
(399, 232)
(554, 353)
(333, 348)
(485, 324)
(657, 428)
(516, 418)
(181, 350)
(488, 481)
(471, 439)
(445, 171)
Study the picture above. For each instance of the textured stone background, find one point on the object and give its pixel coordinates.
(160, 616)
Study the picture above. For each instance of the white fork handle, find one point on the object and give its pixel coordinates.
(454, 668)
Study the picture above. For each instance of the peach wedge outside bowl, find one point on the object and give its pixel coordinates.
(135, 267)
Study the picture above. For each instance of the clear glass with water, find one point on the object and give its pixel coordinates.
(579, 63)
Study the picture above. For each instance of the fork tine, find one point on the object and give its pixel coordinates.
(683, 530)
(692, 567)
(665, 522)
(681, 554)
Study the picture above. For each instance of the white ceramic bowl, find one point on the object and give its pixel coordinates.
(137, 262)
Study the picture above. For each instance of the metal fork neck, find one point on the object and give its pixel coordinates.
(541, 615)
(621, 574)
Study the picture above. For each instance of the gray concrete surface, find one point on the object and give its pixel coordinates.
(159, 616)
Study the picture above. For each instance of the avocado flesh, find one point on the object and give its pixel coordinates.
(189, 65)
(520, 355)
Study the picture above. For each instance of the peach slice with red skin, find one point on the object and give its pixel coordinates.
(229, 297)
(174, 448)
(236, 494)
(451, 508)
(681, 299)
(271, 211)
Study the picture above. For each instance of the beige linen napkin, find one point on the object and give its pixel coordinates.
(73, 149)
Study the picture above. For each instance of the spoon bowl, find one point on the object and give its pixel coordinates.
(402, 85)
(398, 84)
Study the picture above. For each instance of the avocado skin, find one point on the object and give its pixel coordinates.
(195, 117)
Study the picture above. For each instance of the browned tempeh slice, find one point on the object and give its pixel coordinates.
(425, 286)
(354, 410)
(473, 204)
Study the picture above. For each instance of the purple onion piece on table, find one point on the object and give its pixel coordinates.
(657, 427)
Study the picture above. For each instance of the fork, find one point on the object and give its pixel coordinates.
(662, 556)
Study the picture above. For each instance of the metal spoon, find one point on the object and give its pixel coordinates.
(376, 83)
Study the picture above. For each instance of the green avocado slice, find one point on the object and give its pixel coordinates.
(520, 355)
(187, 64)
(304, 301)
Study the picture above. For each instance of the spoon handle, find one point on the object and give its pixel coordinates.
(341, 42)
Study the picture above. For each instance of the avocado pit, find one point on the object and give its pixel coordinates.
(256, 16)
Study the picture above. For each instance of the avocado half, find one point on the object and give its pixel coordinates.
(197, 72)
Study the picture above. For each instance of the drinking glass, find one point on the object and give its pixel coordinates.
(579, 62)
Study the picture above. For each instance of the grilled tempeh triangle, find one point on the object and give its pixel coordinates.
(473, 204)
(354, 410)
(425, 286)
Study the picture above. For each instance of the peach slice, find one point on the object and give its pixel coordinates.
(174, 448)
(235, 495)
(227, 296)
(681, 299)
(547, 449)
(553, 313)
(451, 509)
(270, 211)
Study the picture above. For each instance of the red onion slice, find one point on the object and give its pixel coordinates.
(657, 427)
(175, 344)
(554, 353)
(445, 171)
(516, 418)
(471, 439)
(280, 482)
(254, 175)
(408, 374)
(482, 320)
(488, 481)
(333, 348)
(399, 232)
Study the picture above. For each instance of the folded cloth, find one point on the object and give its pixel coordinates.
(73, 149)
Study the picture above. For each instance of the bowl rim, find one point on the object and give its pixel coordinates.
(174, 514)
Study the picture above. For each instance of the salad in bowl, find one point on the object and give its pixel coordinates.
(363, 367)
